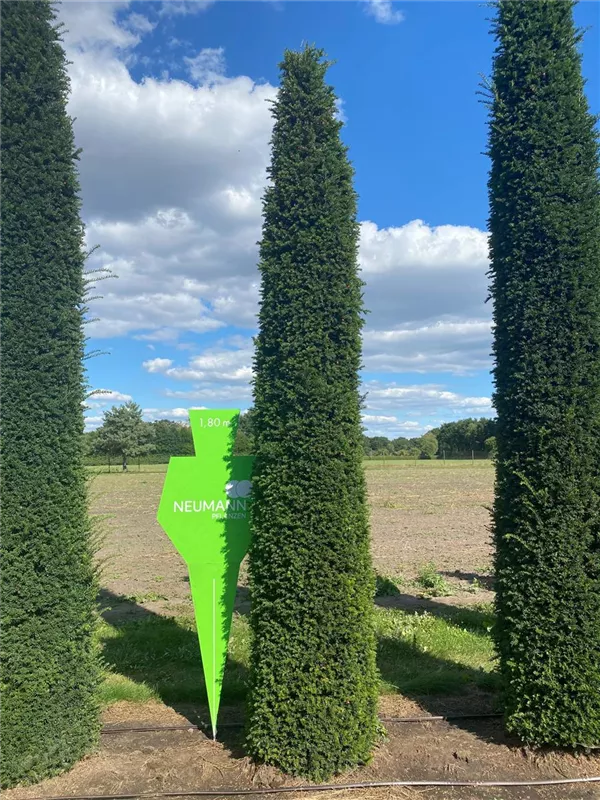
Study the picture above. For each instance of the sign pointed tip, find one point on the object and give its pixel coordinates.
(214, 732)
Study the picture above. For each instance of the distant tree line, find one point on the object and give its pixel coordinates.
(381, 447)
(465, 436)
(124, 436)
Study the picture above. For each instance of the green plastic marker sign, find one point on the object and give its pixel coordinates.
(204, 510)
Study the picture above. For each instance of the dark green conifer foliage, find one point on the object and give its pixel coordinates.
(312, 708)
(50, 668)
(545, 256)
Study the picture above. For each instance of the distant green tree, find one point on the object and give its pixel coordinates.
(172, 438)
(244, 443)
(125, 434)
(464, 435)
(313, 678)
(491, 447)
(377, 445)
(89, 443)
(428, 445)
(49, 671)
(545, 284)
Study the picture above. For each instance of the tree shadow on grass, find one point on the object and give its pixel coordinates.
(438, 683)
(415, 673)
(486, 581)
(474, 618)
(163, 654)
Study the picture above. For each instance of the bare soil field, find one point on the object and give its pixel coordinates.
(420, 513)
(438, 514)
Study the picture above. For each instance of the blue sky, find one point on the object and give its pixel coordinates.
(170, 100)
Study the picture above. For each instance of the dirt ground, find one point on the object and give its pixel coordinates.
(188, 760)
(418, 515)
(436, 514)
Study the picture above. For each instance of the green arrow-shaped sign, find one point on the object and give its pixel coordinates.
(205, 511)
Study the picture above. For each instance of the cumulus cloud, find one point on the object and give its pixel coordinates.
(208, 66)
(170, 8)
(94, 26)
(175, 414)
(172, 175)
(457, 347)
(213, 365)
(92, 422)
(215, 394)
(391, 426)
(157, 364)
(105, 397)
(166, 146)
(426, 399)
(417, 272)
(384, 12)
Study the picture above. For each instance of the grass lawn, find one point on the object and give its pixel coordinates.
(419, 653)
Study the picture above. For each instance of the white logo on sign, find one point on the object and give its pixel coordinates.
(238, 488)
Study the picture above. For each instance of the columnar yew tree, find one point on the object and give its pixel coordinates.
(312, 708)
(49, 668)
(545, 268)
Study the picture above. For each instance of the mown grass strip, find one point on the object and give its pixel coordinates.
(418, 653)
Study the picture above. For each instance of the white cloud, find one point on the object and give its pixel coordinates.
(213, 365)
(391, 426)
(208, 66)
(417, 245)
(172, 176)
(157, 364)
(422, 399)
(380, 419)
(419, 273)
(176, 414)
(426, 289)
(442, 346)
(159, 335)
(105, 397)
(384, 12)
(183, 7)
(165, 147)
(214, 394)
(119, 315)
(139, 23)
(92, 26)
(91, 423)
(340, 113)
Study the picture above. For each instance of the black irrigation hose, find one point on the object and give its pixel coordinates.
(323, 787)
(206, 726)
